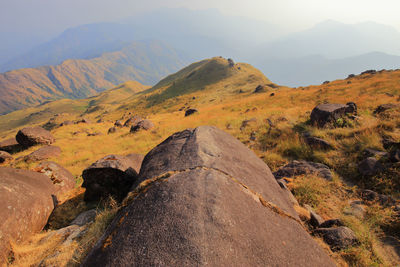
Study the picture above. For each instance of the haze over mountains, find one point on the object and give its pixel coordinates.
(330, 50)
(145, 62)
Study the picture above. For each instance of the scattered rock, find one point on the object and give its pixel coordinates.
(272, 94)
(318, 143)
(190, 112)
(62, 179)
(260, 89)
(356, 209)
(65, 123)
(338, 238)
(369, 152)
(118, 124)
(246, 123)
(296, 168)
(331, 223)
(84, 218)
(43, 153)
(253, 136)
(369, 195)
(31, 136)
(142, 125)
(382, 108)
(133, 121)
(202, 214)
(25, 205)
(329, 113)
(112, 175)
(369, 167)
(112, 130)
(229, 126)
(390, 144)
(315, 219)
(231, 62)
(83, 120)
(10, 145)
(94, 134)
(5, 157)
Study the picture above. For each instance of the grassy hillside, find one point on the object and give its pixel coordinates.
(145, 62)
(224, 96)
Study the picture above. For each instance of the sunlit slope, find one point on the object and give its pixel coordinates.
(69, 109)
(79, 78)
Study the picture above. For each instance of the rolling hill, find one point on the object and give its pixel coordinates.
(145, 62)
(274, 123)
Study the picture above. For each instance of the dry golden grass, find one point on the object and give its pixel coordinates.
(220, 104)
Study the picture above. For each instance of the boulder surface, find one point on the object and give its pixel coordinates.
(206, 199)
(112, 175)
(31, 136)
(25, 205)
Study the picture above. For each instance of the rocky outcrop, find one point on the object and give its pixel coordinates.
(31, 136)
(370, 167)
(10, 145)
(142, 125)
(260, 89)
(25, 205)
(43, 153)
(132, 121)
(62, 179)
(296, 168)
(112, 175)
(206, 199)
(328, 113)
(190, 111)
(338, 238)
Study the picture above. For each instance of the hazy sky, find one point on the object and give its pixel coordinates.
(53, 16)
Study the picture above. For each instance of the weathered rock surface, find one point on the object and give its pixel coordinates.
(112, 175)
(260, 89)
(10, 145)
(190, 111)
(369, 167)
(369, 152)
(62, 179)
(205, 211)
(329, 113)
(5, 157)
(84, 218)
(331, 223)
(132, 121)
(43, 153)
(142, 125)
(136, 161)
(315, 219)
(25, 205)
(31, 136)
(118, 124)
(338, 238)
(296, 168)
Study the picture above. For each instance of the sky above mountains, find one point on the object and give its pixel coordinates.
(50, 16)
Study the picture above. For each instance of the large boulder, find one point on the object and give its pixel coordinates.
(10, 145)
(329, 113)
(142, 125)
(132, 121)
(5, 157)
(112, 175)
(43, 153)
(62, 179)
(206, 199)
(31, 136)
(25, 205)
(296, 168)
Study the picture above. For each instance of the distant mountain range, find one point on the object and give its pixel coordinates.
(145, 62)
(329, 50)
